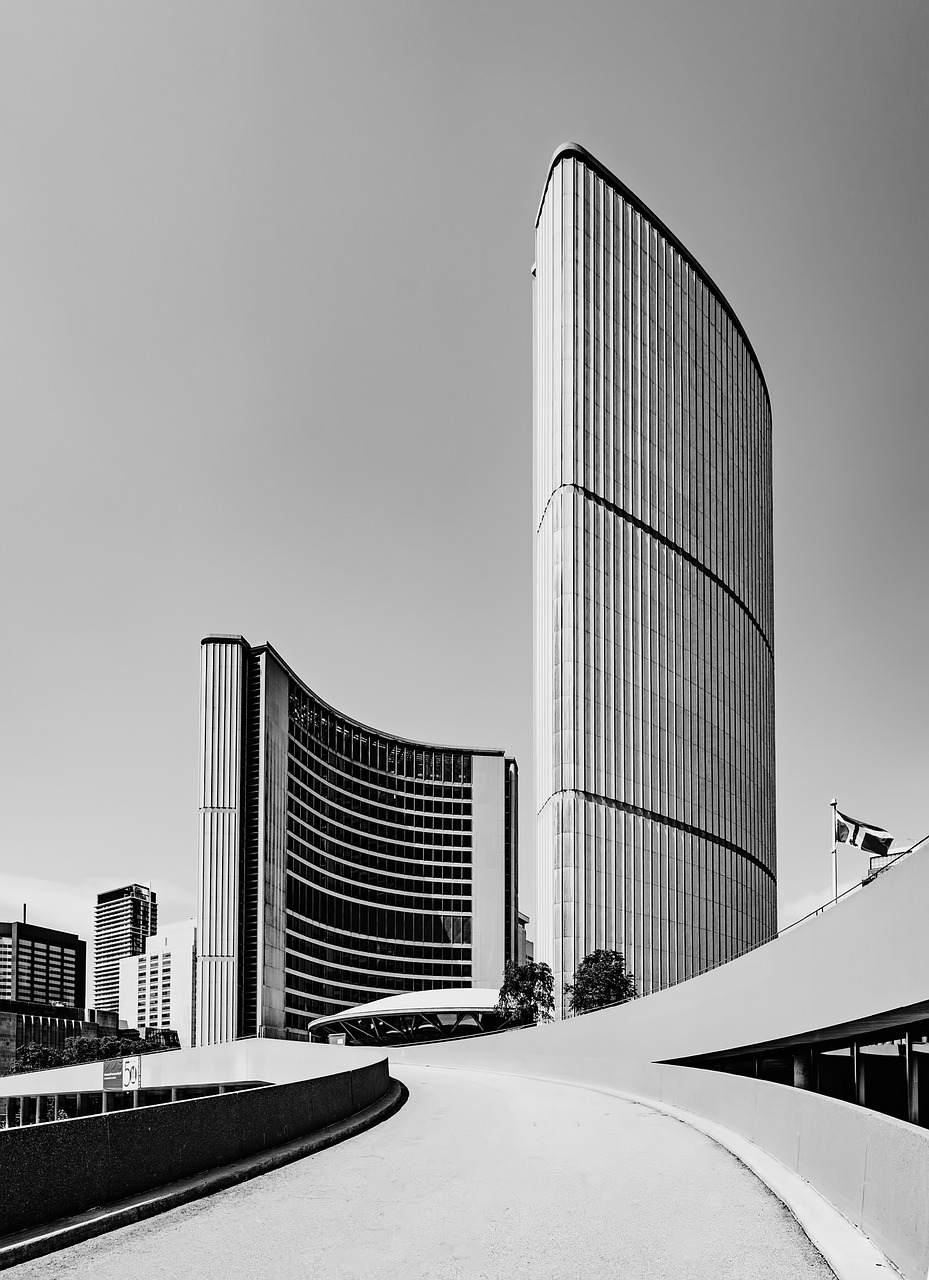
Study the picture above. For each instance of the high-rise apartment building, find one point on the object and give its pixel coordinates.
(157, 989)
(125, 917)
(338, 864)
(41, 966)
(654, 599)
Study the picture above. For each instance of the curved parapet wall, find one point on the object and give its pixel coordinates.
(654, 697)
(339, 863)
(856, 972)
(859, 968)
(52, 1171)
(872, 1168)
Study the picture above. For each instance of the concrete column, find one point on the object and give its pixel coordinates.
(106, 1099)
(135, 1099)
(10, 1111)
(912, 1081)
(56, 1105)
(174, 1094)
(803, 1069)
(858, 1070)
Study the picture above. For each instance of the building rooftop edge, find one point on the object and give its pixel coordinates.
(381, 733)
(575, 149)
(7, 926)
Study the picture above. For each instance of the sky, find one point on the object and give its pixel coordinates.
(265, 311)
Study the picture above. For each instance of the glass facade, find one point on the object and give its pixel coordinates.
(654, 663)
(339, 864)
(378, 864)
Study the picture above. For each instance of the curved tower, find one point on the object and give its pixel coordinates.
(654, 598)
(338, 864)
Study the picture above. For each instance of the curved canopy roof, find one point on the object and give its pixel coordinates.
(448, 1000)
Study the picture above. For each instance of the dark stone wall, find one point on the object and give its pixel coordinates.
(51, 1171)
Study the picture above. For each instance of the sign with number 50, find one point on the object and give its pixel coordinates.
(132, 1073)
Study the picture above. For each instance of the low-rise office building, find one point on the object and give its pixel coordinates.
(338, 864)
(47, 1025)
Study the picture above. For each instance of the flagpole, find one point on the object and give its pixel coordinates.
(835, 863)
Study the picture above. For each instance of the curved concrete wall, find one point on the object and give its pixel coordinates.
(874, 1169)
(862, 958)
(51, 1171)
(270, 1061)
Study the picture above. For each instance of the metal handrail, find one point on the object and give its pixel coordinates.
(901, 853)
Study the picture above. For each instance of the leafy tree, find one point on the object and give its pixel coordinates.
(527, 994)
(36, 1057)
(77, 1049)
(600, 979)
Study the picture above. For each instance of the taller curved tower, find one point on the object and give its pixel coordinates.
(654, 596)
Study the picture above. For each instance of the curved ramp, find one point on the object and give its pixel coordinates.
(480, 1176)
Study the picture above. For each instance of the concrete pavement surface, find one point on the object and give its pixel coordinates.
(478, 1177)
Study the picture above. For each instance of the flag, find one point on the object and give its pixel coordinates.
(865, 835)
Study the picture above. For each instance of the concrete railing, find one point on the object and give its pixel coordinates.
(872, 1168)
(51, 1171)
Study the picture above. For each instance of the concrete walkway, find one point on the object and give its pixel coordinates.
(478, 1176)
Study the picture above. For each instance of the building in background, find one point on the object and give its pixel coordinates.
(43, 979)
(654, 598)
(338, 864)
(25, 1023)
(157, 989)
(41, 966)
(125, 917)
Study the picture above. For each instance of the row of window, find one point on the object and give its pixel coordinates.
(445, 949)
(439, 960)
(303, 974)
(391, 793)
(384, 898)
(320, 724)
(429, 878)
(375, 921)
(343, 839)
(398, 826)
(451, 864)
(395, 808)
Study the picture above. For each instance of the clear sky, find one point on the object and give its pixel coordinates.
(265, 315)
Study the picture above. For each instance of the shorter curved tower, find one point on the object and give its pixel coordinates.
(338, 864)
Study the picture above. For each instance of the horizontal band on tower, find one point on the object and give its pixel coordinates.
(636, 811)
(671, 546)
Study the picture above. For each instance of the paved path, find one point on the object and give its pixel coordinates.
(478, 1177)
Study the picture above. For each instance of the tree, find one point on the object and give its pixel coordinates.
(77, 1049)
(527, 994)
(36, 1057)
(600, 979)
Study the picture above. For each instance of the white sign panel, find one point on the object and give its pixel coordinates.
(132, 1073)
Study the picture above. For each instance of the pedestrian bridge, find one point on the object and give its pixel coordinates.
(556, 1150)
